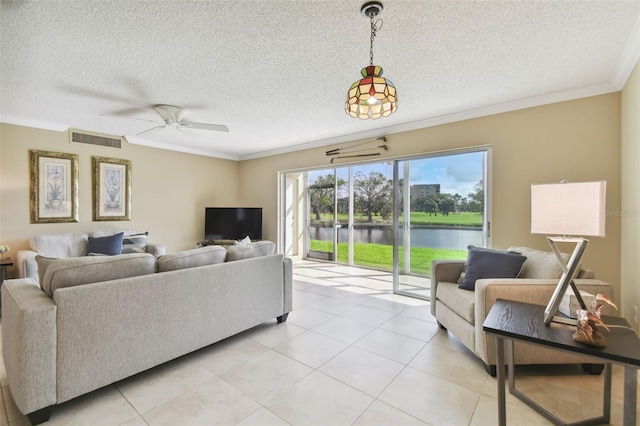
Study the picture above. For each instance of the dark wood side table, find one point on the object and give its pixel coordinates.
(516, 321)
(4, 264)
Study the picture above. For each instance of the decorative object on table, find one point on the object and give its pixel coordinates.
(54, 187)
(3, 250)
(111, 189)
(567, 209)
(373, 96)
(588, 322)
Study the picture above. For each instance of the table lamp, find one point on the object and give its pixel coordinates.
(568, 212)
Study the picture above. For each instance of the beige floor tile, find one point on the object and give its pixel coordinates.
(3, 411)
(157, 386)
(105, 406)
(368, 315)
(308, 317)
(430, 399)
(10, 407)
(300, 284)
(344, 329)
(266, 376)
(486, 413)
(302, 298)
(312, 349)
(270, 336)
(136, 421)
(407, 326)
(381, 414)
(214, 402)
(320, 400)
(463, 369)
(354, 367)
(379, 302)
(263, 417)
(333, 305)
(448, 340)
(225, 355)
(391, 345)
(421, 312)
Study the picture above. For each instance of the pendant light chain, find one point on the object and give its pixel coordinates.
(374, 29)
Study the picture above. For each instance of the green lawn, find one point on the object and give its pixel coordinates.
(417, 218)
(381, 256)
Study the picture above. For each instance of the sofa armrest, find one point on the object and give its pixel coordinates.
(536, 291)
(156, 249)
(26, 264)
(288, 284)
(29, 344)
(443, 271)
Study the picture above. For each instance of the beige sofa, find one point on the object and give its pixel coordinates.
(462, 312)
(74, 245)
(100, 319)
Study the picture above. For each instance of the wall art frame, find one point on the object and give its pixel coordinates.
(54, 187)
(111, 189)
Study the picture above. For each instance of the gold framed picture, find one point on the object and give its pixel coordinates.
(54, 187)
(111, 189)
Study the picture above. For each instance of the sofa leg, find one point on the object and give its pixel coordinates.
(491, 370)
(283, 318)
(441, 326)
(593, 369)
(40, 416)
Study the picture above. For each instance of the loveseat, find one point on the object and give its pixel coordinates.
(75, 245)
(99, 319)
(462, 311)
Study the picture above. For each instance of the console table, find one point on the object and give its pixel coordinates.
(516, 321)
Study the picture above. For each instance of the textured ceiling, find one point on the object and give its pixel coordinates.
(276, 72)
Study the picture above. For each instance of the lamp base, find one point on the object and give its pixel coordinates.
(569, 271)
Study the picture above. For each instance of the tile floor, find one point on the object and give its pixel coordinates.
(351, 353)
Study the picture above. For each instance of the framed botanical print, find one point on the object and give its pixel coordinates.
(54, 187)
(111, 189)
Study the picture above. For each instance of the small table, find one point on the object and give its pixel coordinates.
(517, 321)
(4, 264)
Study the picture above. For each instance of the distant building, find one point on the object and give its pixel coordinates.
(417, 191)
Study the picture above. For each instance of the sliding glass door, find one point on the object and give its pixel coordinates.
(395, 216)
(439, 209)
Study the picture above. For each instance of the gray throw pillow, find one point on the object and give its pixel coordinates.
(488, 263)
(43, 263)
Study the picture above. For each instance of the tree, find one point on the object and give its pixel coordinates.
(372, 194)
(321, 195)
(476, 198)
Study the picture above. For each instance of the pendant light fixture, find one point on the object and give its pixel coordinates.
(373, 96)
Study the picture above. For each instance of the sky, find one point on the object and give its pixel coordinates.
(456, 174)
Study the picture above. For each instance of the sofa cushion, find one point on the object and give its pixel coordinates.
(489, 263)
(60, 245)
(43, 264)
(135, 243)
(461, 302)
(191, 258)
(75, 271)
(247, 251)
(539, 264)
(110, 245)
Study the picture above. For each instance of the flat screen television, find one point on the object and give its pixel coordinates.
(232, 223)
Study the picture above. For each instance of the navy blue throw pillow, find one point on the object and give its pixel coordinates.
(488, 263)
(110, 245)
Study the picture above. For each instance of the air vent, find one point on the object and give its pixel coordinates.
(80, 136)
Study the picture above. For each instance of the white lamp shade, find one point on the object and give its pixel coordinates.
(576, 209)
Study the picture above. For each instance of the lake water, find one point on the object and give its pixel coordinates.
(420, 237)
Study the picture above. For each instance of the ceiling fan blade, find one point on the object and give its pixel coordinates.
(153, 128)
(205, 126)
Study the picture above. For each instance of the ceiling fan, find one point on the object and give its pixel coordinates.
(173, 116)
